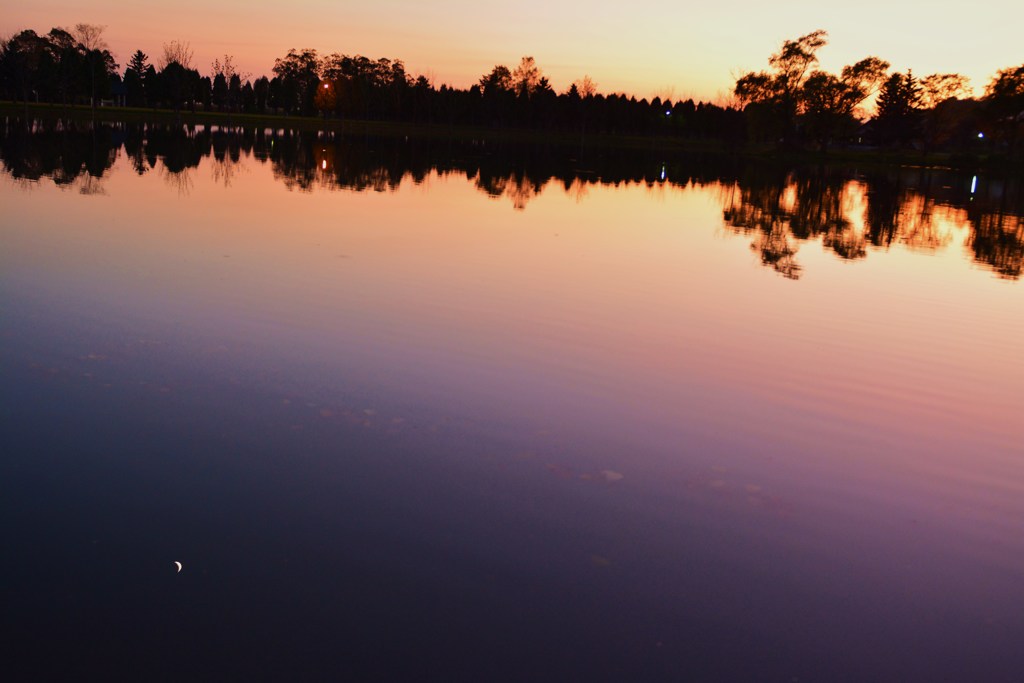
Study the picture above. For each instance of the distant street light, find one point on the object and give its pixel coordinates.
(325, 100)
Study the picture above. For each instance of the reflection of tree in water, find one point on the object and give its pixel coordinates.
(777, 251)
(294, 162)
(577, 189)
(90, 185)
(142, 158)
(825, 205)
(66, 153)
(916, 208)
(996, 216)
(223, 172)
(177, 148)
(765, 210)
(851, 213)
(798, 207)
(226, 155)
(991, 207)
(519, 187)
(897, 212)
(378, 163)
(180, 181)
(998, 241)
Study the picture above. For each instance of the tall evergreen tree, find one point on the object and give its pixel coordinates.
(898, 120)
(139, 62)
(135, 78)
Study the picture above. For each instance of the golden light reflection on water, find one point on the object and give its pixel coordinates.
(852, 216)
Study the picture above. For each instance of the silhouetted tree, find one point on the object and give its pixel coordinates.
(299, 75)
(898, 120)
(152, 85)
(176, 52)
(178, 85)
(135, 78)
(226, 83)
(499, 80)
(497, 96)
(261, 93)
(90, 37)
(1006, 91)
(953, 124)
(100, 67)
(585, 87)
(22, 57)
(235, 91)
(937, 88)
(139, 63)
(203, 90)
(778, 91)
(60, 73)
(177, 78)
(1004, 101)
(248, 95)
(791, 91)
(829, 101)
(219, 89)
(526, 77)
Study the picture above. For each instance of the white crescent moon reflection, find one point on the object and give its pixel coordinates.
(179, 566)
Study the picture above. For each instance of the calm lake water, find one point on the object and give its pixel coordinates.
(410, 410)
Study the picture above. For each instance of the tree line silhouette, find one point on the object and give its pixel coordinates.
(792, 103)
(779, 209)
(797, 104)
(65, 67)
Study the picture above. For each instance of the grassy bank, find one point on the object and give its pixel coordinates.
(668, 146)
(357, 127)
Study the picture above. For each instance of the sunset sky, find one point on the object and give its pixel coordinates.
(644, 47)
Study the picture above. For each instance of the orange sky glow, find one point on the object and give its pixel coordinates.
(646, 47)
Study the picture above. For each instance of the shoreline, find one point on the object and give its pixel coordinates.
(672, 146)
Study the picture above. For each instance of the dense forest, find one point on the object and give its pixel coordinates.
(792, 104)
